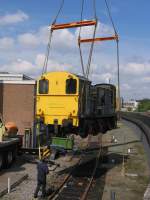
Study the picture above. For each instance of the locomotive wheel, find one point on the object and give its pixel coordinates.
(104, 127)
(9, 158)
(114, 122)
(109, 124)
(85, 129)
(96, 128)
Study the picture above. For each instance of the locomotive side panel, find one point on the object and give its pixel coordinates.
(84, 98)
(103, 107)
(105, 99)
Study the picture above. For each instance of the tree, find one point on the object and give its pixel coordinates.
(144, 105)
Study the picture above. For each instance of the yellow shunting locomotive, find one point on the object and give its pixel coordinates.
(67, 103)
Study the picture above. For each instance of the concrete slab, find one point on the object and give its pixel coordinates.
(14, 181)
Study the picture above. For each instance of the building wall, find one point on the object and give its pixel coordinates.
(130, 105)
(1, 100)
(18, 105)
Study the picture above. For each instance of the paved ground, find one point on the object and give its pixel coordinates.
(25, 189)
(128, 179)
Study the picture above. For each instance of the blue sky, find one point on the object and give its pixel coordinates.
(24, 34)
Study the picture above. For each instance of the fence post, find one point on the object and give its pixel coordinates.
(113, 195)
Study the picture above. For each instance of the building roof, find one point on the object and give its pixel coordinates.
(14, 78)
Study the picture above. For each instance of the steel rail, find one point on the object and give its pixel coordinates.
(58, 191)
(140, 123)
(85, 194)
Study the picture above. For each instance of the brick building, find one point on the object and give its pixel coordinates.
(17, 93)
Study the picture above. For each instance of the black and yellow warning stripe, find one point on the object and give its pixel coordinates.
(45, 152)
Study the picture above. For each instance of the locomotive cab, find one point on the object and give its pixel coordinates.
(62, 98)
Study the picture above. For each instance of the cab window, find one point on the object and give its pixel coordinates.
(71, 86)
(43, 86)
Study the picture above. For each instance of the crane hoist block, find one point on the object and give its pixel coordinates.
(73, 24)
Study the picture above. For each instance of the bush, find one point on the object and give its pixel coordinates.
(144, 105)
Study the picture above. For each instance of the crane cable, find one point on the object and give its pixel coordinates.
(117, 45)
(80, 51)
(44, 70)
(92, 44)
(50, 38)
(86, 74)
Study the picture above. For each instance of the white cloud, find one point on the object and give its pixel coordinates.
(34, 39)
(53, 65)
(146, 79)
(135, 68)
(42, 34)
(6, 43)
(28, 39)
(14, 18)
(64, 38)
(102, 77)
(34, 68)
(18, 66)
(125, 86)
(102, 30)
(39, 61)
(64, 56)
(60, 38)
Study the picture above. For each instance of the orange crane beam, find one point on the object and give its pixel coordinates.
(98, 39)
(73, 24)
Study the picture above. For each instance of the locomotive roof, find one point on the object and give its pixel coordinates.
(105, 84)
(82, 77)
(79, 76)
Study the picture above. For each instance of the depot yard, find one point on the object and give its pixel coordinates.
(127, 180)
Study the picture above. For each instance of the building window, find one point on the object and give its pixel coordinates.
(43, 86)
(71, 86)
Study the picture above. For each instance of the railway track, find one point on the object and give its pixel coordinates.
(142, 121)
(80, 181)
